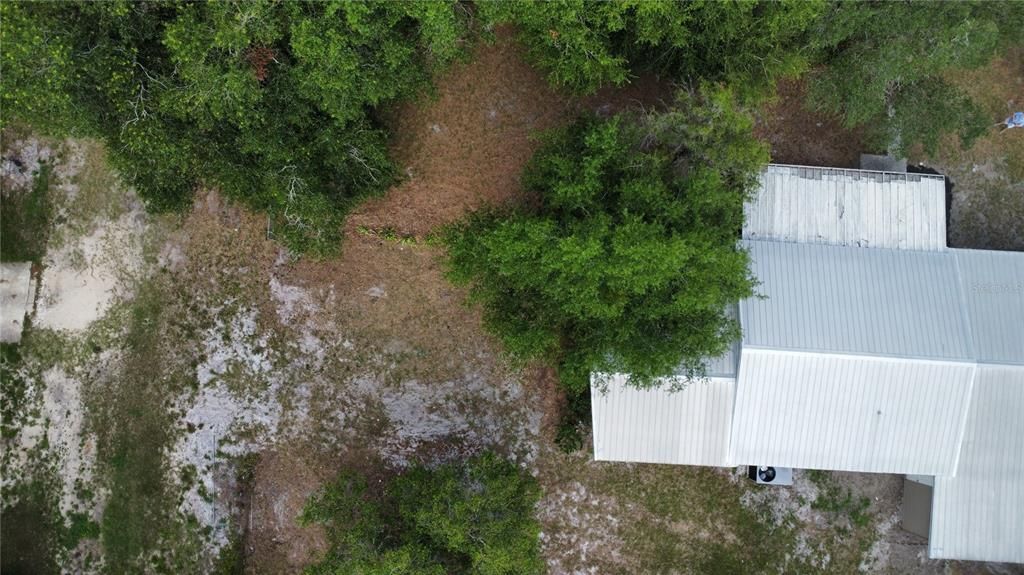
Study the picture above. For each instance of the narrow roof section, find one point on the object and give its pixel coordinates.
(836, 206)
(685, 427)
(836, 299)
(976, 515)
(993, 286)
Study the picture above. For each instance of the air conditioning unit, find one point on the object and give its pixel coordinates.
(768, 475)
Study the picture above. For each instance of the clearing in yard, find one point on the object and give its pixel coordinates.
(187, 383)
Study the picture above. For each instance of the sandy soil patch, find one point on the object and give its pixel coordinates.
(581, 530)
(62, 409)
(84, 277)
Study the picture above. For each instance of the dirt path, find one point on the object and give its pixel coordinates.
(466, 145)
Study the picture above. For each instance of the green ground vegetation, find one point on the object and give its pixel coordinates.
(13, 388)
(127, 410)
(25, 219)
(628, 261)
(132, 431)
(474, 516)
(671, 516)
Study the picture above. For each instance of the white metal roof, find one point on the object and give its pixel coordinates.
(848, 207)
(993, 288)
(851, 300)
(979, 513)
(851, 413)
(689, 426)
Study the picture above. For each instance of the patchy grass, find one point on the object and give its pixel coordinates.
(94, 192)
(839, 501)
(25, 219)
(130, 416)
(12, 388)
(640, 518)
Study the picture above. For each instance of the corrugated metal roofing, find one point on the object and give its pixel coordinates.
(978, 513)
(993, 288)
(852, 413)
(848, 207)
(688, 427)
(851, 300)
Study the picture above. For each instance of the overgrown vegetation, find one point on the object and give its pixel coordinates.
(575, 421)
(468, 517)
(883, 66)
(585, 44)
(628, 260)
(279, 104)
(880, 65)
(25, 219)
(13, 388)
(274, 103)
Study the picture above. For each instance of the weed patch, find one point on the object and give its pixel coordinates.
(25, 219)
(12, 389)
(839, 501)
(134, 427)
(574, 424)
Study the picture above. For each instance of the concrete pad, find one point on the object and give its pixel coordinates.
(17, 292)
(917, 507)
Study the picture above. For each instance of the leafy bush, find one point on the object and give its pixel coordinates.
(584, 44)
(629, 258)
(575, 421)
(469, 517)
(272, 102)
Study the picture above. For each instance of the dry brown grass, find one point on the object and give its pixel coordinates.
(465, 146)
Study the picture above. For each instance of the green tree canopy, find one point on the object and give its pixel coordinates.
(275, 103)
(472, 517)
(878, 64)
(883, 65)
(584, 44)
(629, 259)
